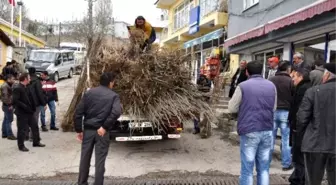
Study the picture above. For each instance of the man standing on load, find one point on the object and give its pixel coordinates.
(150, 35)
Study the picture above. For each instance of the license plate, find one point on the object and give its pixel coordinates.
(140, 125)
(138, 138)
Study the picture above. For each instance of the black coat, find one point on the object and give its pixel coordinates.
(242, 77)
(22, 101)
(285, 89)
(299, 92)
(38, 95)
(316, 119)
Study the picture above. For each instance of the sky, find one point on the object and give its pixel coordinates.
(64, 10)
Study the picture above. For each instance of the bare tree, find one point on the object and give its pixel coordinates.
(102, 22)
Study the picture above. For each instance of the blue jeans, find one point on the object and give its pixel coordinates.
(255, 148)
(7, 121)
(196, 125)
(281, 121)
(52, 108)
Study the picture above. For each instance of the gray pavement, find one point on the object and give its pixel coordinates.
(126, 160)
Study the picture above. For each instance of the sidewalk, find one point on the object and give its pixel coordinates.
(275, 180)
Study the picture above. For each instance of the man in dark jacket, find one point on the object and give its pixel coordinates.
(284, 86)
(238, 77)
(24, 110)
(302, 83)
(299, 62)
(255, 123)
(317, 74)
(8, 70)
(38, 96)
(7, 107)
(50, 90)
(316, 119)
(100, 108)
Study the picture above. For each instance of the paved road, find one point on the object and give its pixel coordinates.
(188, 154)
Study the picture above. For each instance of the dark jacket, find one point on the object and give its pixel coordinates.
(6, 94)
(316, 76)
(100, 107)
(316, 119)
(22, 102)
(50, 90)
(242, 77)
(285, 89)
(299, 92)
(303, 65)
(35, 87)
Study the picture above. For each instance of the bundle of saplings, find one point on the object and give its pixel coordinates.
(155, 84)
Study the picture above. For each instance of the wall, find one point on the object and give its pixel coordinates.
(241, 21)
(3, 54)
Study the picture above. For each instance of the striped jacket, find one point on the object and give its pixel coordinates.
(50, 89)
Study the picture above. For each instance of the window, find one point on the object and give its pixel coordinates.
(181, 16)
(312, 50)
(65, 56)
(208, 6)
(249, 3)
(70, 56)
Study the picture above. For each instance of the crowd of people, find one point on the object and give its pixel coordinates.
(27, 96)
(298, 99)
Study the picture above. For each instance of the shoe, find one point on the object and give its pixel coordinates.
(39, 145)
(4, 137)
(54, 128)
(24, 149)
(11, 138)
(290, 167)
(44, 129)
(26, 138)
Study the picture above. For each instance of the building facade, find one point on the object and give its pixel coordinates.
(27, 39)
(260, 29)
(6, 47)
(197, 26)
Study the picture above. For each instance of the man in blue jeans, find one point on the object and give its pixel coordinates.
(255, 102)
(49, 88)
(285, 90)
(7, 107)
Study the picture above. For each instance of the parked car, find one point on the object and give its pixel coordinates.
(58, 63)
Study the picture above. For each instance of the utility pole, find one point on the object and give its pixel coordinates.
(20, 3)
(59, 35)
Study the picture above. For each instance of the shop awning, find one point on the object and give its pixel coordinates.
(208, 37)
(299, 15)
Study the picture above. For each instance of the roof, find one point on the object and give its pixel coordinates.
(5, 39)
(2, 21)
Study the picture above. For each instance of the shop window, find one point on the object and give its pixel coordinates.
(312, 49)
(332, 48)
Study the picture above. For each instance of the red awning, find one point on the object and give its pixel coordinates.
(292, 18)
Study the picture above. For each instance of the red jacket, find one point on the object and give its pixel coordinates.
(50, 89)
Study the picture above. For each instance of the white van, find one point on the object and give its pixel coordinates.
(58, 63)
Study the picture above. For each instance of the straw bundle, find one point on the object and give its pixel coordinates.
(155, 85)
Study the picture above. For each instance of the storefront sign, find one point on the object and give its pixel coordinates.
(194, 20)
(208, 37)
